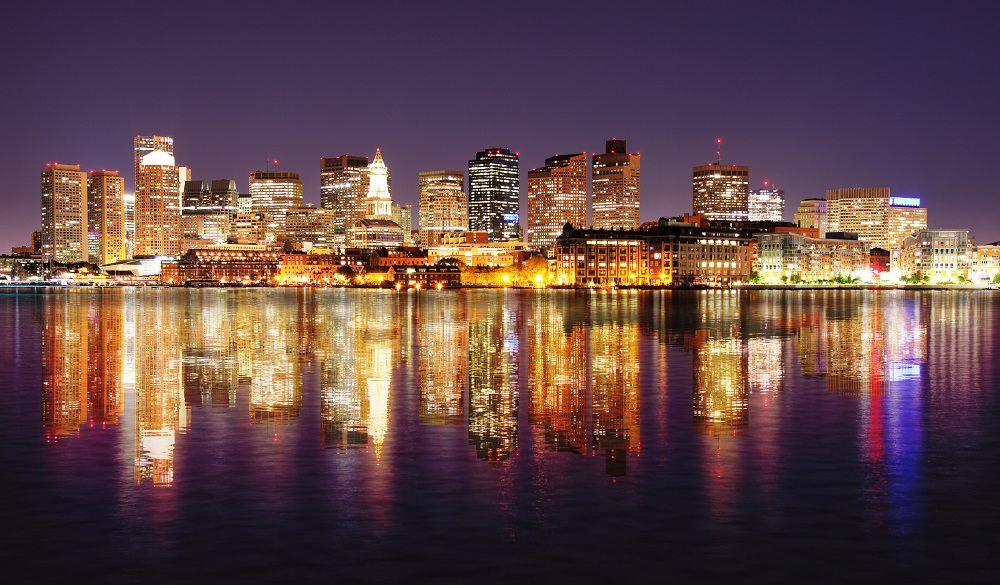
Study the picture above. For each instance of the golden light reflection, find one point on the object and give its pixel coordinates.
(493, 381)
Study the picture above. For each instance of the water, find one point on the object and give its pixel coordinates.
(270, 435)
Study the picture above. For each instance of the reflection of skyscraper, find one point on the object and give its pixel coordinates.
(614, 351)
(159, 406)
(105, 358)
(443, 354)
(493, 379)
(275, 377)
(210, 368)
(558, 380)
(64, 365)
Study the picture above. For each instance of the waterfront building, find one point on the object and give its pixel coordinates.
(495, 194)
(223, 265)
(985, 262)
(377, 229)
(428, 276)
(402, 256)
(343, 184)
(875, 215)
(812, 213)
(784, 256)
(615, 186)
(721, 192)
(477, 254)
(273, 193)
(158, 206)
(557, 195)
(106, 217)
(668, 254)
(442, 205)
(766, 204)
(301, 268)
(64, 213)
(942, 255)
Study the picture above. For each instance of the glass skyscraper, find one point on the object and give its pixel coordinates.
(495, 194)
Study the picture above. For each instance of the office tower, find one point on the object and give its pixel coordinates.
(376, 229)
(721, 192)
(557, 195)
(812, 213)
(495, 194)
(144, 145)
(767, 204)
(308, 227)
(403, 215)
(158, 206)
(343, 184)
(615, 185)
(129, 201)
(106, 217)
(64, 213)
(273, 194)
(441, 205)
(216, 196)
(875, 215)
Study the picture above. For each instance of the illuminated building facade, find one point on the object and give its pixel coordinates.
(377, 229)
(274, 193)
(669, 254)
(812, 213)
(489, 254)
(106, 217)
(943, 255)
(557, 195)
(220, 266)
(721, 192)
(216, 196)
(615, 185)
(308, 227)
(143, 145)
(64, 213)
(158, 206)
(985, 262)
(343, 185)
(403, 216)
(442, 206)
(794, 256)
(767, 204)
(495, 194)
(877, 217)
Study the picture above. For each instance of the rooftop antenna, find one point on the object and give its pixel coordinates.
(718, 151)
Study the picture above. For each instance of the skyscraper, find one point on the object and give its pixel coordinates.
(442, 205)
(377, 229)
(144, 145)
(557, 195)
(875, 215)
(64, 213)
(343, 184)
(812, 213)
(106, 217)
(615, 184)
(721, 192)
(766, 204)
(158, 205)
(274, 193)
(495, 194)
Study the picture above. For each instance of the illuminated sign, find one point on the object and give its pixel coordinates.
(904, 201)
(510, 217)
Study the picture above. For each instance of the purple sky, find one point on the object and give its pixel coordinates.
(812, 97)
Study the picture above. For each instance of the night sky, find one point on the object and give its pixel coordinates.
(813, 96)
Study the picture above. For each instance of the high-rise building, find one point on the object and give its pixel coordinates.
(129, 201)
(557, 195)
(64, 213)
(158, 206)
(615, 185)
(308, 226)
(144, 145)
(274, 193)
(721, 192)
(377, 229)
(767, 204)
(216, 196)
(403, 215)
(343, 184)
(875, 215)
(106, 217)
(812, 213)
(442, 205)
(495, 194)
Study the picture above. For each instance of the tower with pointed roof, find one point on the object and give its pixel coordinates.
(377, 229)
(379, 202)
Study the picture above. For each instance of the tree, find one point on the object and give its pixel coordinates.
(347, 273)
(996, 278)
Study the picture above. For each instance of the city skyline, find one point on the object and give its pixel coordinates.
(904, 105)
